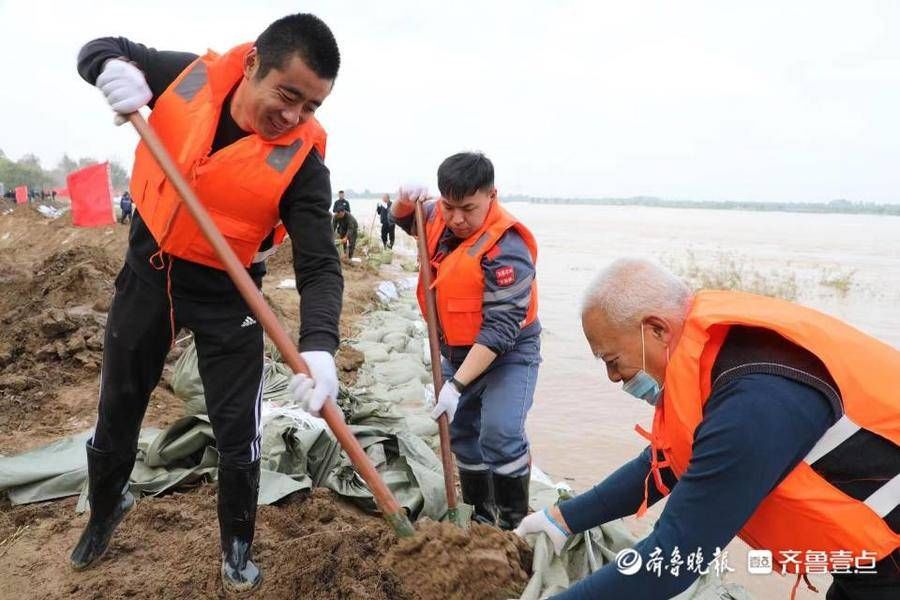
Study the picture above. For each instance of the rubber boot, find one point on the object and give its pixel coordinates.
(478, 491)
(110, 500)
(511, 495)
(238, 492)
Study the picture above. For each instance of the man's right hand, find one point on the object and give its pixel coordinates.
(407, 196)
(124, 86)
(542, 521)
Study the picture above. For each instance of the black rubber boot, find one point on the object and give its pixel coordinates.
(478, 491)
(511, 495)
(238, 492)
(109, 499)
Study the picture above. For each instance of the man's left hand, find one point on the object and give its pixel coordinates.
(447, 402)
(549, 521)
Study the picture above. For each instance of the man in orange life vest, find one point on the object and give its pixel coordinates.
(484, 262)
(240, 127)
(773, 422)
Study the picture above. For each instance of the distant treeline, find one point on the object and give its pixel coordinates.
(835, 206)
(29, 172)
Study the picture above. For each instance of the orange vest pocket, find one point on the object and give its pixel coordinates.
(461, 321)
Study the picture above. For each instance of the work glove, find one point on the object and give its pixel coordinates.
(410, 192)
(312, 393)
(542, 522)
(301, 387)
(407, 196)
(447, 402)
(124, 86)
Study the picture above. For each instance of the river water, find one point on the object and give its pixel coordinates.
(582, 425)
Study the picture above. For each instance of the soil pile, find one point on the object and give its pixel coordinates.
(56, 282)
(312, 546)
(444, 561)
(53, 320)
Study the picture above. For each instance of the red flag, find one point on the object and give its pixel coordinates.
(22, 194)
(91, 195)
(61, 191)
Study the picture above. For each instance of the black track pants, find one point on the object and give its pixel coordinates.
(387, 236)
(138, 336)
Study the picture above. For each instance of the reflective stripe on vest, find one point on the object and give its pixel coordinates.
(192, 82)
(280, 156)
(834, 437)
(886, 499)
(837, 440)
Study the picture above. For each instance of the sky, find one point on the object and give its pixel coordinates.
(767, 101)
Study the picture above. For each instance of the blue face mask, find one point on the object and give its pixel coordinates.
(642, 385)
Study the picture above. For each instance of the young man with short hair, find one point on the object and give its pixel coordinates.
(240, 127)
(484, 263)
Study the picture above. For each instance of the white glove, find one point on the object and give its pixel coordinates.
(541, 522)
(409, 193)
(124, 86)
(301, 388)
(413, 191)
(447, 402)
(324, 373)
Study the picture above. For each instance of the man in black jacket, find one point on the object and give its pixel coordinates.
(268, 92)
(387, 225)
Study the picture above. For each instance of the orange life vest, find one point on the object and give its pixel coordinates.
(240, 185)
(459, 279)
(804, 512)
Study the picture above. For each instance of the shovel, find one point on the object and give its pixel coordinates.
(389, 506)
(453, 513)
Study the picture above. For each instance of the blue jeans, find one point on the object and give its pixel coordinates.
(488, 431)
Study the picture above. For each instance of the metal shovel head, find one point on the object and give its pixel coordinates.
(460, 516)
(401, 524)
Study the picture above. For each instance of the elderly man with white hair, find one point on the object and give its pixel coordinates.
(773, 422)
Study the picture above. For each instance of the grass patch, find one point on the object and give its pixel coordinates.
(840, 280)
(721, 270)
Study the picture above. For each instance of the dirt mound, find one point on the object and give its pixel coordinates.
(75, 276)
(444, 561)
(322, 548)
(27, 237)
(312, 546)
(52, 326)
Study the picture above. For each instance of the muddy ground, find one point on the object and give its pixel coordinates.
(55, 285)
